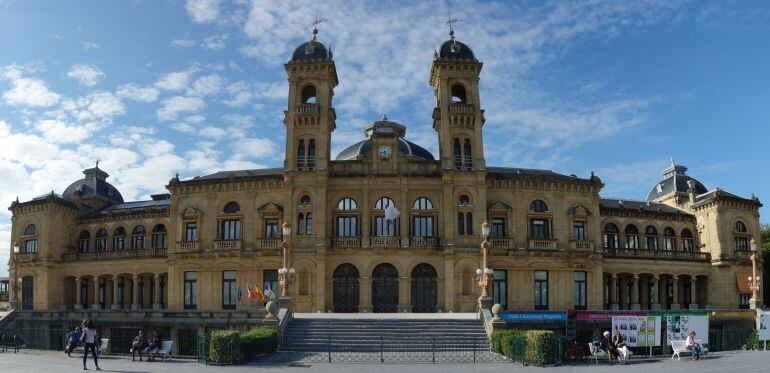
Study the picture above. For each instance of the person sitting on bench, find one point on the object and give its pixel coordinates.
(693, 346)
(155, 344)
(138, 345)
(605, 344)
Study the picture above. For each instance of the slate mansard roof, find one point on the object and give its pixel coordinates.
(675, 180)
(93, 184)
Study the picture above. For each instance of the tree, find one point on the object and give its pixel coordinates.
(765, 230)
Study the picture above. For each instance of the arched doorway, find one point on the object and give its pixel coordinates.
(385, 288)
(424, 288)
(345, 290)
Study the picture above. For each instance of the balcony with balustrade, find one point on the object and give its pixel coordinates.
(461, 108)
(268, 243)
(227, 245)
(692, 256)
(581, 245)
(385, 241)
(187, 246)
(427, 242)
(119, 254)
(306, 109)
(26, 257)
(501, 242)
(741, 253)
(543, 244)
(346, 242)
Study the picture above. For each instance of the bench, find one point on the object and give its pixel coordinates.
(679, 348)
(102, 349)
(596, 353)
(165, 349)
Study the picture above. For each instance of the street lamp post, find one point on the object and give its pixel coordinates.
(754, 279)
(16, 281)
(484, 274)
(286, 272)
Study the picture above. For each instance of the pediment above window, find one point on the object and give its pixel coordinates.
(191, 213)
(270, 209)
(579, 212)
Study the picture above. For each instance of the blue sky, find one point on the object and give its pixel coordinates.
(155, 88)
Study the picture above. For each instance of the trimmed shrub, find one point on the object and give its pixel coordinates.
(530, 347)
(258, 341)
(225, 347)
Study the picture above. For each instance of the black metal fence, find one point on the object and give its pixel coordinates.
(732, 339)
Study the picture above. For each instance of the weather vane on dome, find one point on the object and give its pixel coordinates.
(315, 24)
(451, 21)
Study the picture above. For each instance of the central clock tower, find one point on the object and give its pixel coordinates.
(385, 136)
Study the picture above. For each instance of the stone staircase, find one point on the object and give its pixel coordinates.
(369, 334)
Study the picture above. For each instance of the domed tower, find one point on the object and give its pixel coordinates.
(310, 117)
(458, 117)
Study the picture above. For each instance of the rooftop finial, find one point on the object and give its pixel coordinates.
(672, 161)
(315, 24)
(384, 117)
(451, 21)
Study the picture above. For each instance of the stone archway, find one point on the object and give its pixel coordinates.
(385, 288)
(346, 288)
(424, 288)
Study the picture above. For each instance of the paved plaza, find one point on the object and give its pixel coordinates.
(35, 361)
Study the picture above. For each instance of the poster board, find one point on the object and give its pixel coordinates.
(679, 326)
(763, 325)
(638, 331)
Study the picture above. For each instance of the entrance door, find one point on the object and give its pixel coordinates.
(385, 288)
(27, 292)
(424, 288)
(345, 288)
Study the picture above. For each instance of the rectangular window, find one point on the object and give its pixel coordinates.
(191, 232)
(271, 228)
(687, 245)
(469, 224)
(137, 242)
(579, 230)
(231, 230)
(498, 228)
(632, 242)
(30, 246)
(580, 290)
(611, 241)
(83, 246)
(119, 243)
(422, 226)
(500, 288)
(229, 290)
(741, 244)
(652, 243)
(669, 243)
(121, 293)
(300, 224)
(159, 241)
(539, 229)
(309, 223)
(102, 298)
(541, 290)
(461, 223)
(190, 290)
(101, 244)
(743, 300)
(270, 284)
(384, 227)
(347, 226)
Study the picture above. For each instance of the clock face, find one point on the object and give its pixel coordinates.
(384, 151)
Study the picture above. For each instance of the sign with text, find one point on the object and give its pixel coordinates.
(638, 331)
(606, 315)
(763, 325)
(543, 316)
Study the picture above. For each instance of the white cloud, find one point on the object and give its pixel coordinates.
(59, 132)
(255, 147)
(206, 85)
(175, 81)
(203, 11)
(215, 42)
(135, 92)
(87, 75)
(87, 45)
(240, 94)
(173, 106)
(182, 43)
(26, 91)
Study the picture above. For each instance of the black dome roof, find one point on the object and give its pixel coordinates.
(455, 50)
(311, 50)
(675, 180)
(93, 184)
(386, 128)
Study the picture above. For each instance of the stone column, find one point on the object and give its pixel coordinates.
(655, 292)
(611, 291)
(706, 293)
(95, 294)
(404, 303)
(135, 290)
(635, 293)
(62, 296)
(365, 300)
(617, 292)
(675, 285)
(79, 296)
(115, 303)
(156, 293)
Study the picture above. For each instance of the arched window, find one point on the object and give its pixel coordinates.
(741, 237)
(347, 203)
(301, 154)
(159, 237)
(30, 230)
(119, 239)
(458, 153)
(458, 94)
(101, 240)
(383, 203)
(467, 154)
(84, 242)
(309, 94)
(464, 200)
(311, 154)
(687, 240)
(632, 237)
(305, 216)
(669, 239)
(538, 206)
(651, 235)
(137, 238)
(383, 227)
(422, 203)
(305, 201)
(232, 208)
(611, 236)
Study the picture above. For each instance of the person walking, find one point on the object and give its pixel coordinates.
(89, 339)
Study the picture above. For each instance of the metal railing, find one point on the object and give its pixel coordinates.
(548, 244)
(346, 242)
(657, 254)
(385, 241)
(416, 241)
(99, 255)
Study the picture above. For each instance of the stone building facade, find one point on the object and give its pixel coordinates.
(556, 244)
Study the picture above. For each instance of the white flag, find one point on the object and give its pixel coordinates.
(391, 212)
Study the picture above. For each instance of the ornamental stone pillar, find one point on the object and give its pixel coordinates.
(404, 302)
(156, 294)
(79, 294)
(675, 284)
(635, 293)
(615, 291)
(135, 291)
(115, 303)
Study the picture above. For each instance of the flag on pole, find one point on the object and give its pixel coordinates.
(269, 294)
(240, 294)
(249, 294)
(258, 293)
(391, 213)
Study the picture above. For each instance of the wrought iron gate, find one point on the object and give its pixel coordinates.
(424, 288)
(385, 288)
(345, 288)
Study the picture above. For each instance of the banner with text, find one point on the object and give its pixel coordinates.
(638, 331)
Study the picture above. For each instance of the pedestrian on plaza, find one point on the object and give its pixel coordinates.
(154, 345)
(138, 345)
(73, 339)
(605, 344)
(620, 346)
(693, 346)
(89, 338)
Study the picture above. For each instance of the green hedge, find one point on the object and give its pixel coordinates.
(224, 347)
(530, 347)
(259, 341)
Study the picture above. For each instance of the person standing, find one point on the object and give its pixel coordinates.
(89, 339)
